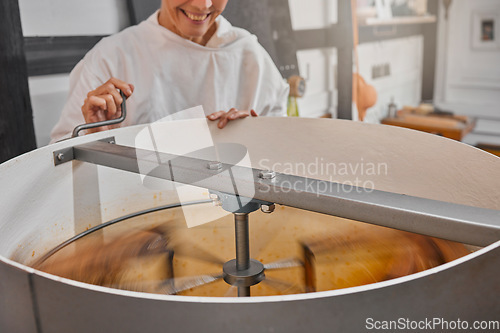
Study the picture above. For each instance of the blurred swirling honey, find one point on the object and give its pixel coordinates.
(142, 253)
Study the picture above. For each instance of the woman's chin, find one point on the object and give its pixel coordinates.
(196, 34)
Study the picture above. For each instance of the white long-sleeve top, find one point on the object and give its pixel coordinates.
(171, 74)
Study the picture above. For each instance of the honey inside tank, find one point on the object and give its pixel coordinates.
(301, 251)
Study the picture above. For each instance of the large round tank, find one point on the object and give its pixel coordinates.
(43, 205)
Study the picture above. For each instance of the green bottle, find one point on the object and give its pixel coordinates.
(292, 109)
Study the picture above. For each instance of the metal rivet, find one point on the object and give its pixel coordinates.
(214, 165)
(60, 157)
(267, 174)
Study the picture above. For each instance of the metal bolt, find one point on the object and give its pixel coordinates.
(268, 209)
(214, 165)
(267, 174)
(60, 157)
(112, 142)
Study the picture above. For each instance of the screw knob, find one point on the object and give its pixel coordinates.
(214, 165)
(268, 209)
(267, 174)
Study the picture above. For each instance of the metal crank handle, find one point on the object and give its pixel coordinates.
(82, 127)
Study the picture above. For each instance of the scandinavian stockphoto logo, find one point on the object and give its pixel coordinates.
(325, 176)
(164, 156)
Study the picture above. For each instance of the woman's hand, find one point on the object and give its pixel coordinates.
(104, 103)
(224, 117)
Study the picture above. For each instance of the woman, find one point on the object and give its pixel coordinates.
(184, 55)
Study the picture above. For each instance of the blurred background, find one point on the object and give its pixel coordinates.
(442, 52)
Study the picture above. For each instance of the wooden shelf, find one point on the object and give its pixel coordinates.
(373, 21)
(454, 127)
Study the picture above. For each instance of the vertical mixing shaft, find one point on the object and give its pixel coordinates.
(242, 241)
(242, 272)
(242, 248)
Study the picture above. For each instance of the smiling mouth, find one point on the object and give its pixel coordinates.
(196, 17)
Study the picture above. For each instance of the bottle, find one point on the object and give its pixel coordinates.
(292, 109)
(297, 90)
(392, 111)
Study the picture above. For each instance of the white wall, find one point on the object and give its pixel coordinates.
(312, 14)
(73, 17)
(317, 66)
(468, 77)
(48, 95)
(404, 84)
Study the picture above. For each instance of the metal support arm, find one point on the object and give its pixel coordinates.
(465, 224)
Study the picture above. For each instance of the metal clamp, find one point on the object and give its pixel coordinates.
(64, 155)
(237, 204)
